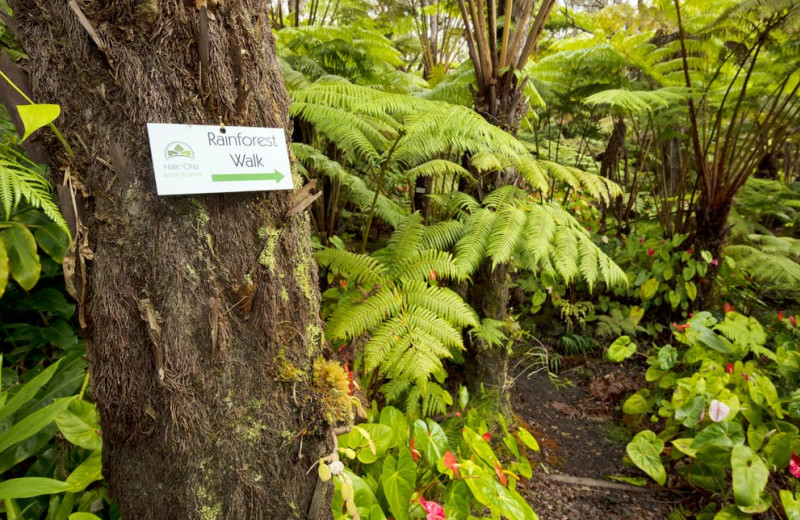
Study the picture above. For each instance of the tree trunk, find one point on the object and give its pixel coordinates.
(711, 225)
(486, 366)
(202, 312)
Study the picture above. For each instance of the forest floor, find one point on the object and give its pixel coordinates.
(582, 442)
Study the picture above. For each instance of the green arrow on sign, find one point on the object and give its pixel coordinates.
(232, 177)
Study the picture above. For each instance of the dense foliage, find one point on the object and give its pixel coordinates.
(489, 173)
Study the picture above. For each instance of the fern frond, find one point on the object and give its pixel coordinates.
(440, 301)
(20, 181)
(506, 234)
(354, 317)
(422, 265)
(362, 269)
(442, 235)
(471, 249)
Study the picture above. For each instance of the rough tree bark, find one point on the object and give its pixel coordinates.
(200, 310)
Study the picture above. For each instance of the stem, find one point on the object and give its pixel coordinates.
(381, 174)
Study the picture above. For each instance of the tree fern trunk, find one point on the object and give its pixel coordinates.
(485, 366)
(712, 230)
(200, 310)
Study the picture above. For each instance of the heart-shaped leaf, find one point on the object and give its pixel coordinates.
(35, 116)
(645, 451)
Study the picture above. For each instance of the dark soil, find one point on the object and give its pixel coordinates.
(582, 444)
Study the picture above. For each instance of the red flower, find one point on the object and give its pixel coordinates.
(500, 475)
(727, 308)
(451, 463)
(793, 319)
(487, 436)
(641, 240)
(689, 251)
(350, 378)
(343, 283)
(651, 252)
(746, 377)
(780, 315)
(682, 328)
(794, 465)
(432, 275)
(691, 315)
(729, 368)
(414, 452)
(458, 414)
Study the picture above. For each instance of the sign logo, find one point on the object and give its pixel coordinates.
(179, 149)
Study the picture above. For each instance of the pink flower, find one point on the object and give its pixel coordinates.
(718, 411)
(641, 240)
(458, 414)
(794, 465)
(434, 510)
(715, 262)
(746, 377)
(651, 252)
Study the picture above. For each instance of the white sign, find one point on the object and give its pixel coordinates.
(192, 159)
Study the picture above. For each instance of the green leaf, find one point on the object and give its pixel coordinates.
(649, 289)
(621, 349)
(463, 397)
(87, 472)
(637, 403)
(706, 256)
(23, 260)
(3, 268)
(489, 492)
(719, 435)
(455, 500)
(27, 487)
(83, 516)
(790, 505)
(53, 241)
(32, 424)
(35, 116)
(731, 513)
(28, 390)
(691, 290)
(12, 510)
(397, 423)
(431, 441)
(778, 450)
(750, 475)
(645, 450)
(667, 357)
(479, 446)
(79, 424)
(527, 439)
(398, 478)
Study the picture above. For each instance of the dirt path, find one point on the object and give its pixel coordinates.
(582, 444)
